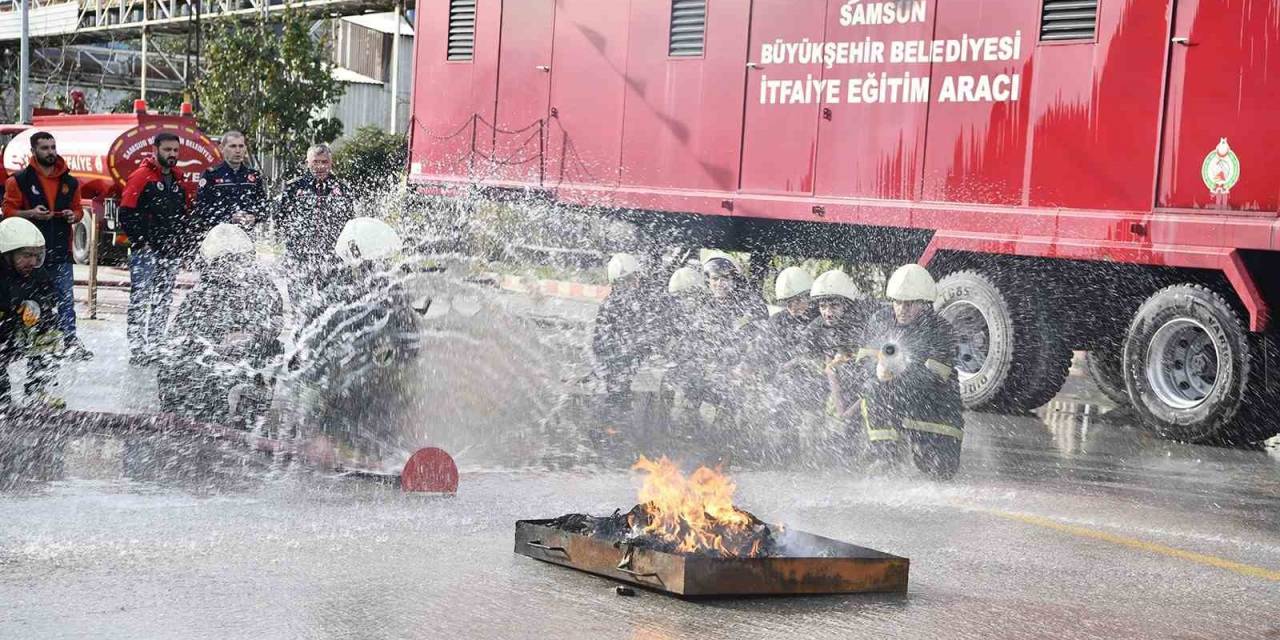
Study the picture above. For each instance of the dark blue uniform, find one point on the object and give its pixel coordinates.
(225, 192)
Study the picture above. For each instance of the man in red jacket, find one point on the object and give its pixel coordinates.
(154, 211)
(46, 194)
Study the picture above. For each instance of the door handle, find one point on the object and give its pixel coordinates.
(753, 65)
(1182, 40)
(543, 68)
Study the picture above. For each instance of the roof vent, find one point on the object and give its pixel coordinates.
(1068, 20)
(462, 29)
(688, 27)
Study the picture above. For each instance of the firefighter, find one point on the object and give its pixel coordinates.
(618, 338)
(723, 335)
(686, 293)
(842, 311)
(154, 212)
(28, 313)
(313, 210)
(912, 394)
(793, 388)
(347, 378)
(791, 290)
(234, 315)
(48, 195)
(232, 191)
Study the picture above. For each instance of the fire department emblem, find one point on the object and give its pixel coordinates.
(1221, 169)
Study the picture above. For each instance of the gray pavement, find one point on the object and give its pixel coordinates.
(1060, 525)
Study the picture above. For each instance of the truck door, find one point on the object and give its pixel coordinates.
(1219, 148)
(524, 89)
(780, 128)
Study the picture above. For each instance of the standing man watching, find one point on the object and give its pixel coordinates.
(154, 213)
(48, 196)
(313, 210)
(232, 191)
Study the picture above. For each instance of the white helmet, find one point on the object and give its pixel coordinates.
(367, 239)
(912, 282)
(19, 233)
(719, 263)
(686, 279)
(622, 265)
(793, 282)
(224, 240)
(835, 284)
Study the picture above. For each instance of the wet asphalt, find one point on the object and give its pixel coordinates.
(1064, 524)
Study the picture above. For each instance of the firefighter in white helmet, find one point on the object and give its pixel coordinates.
(791, 291)
(842, 311)
(234, 315)
(912, 395)
(28, 313)
(723, 336)
(625, 327)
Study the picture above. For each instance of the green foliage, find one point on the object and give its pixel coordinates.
(371, 156)
(270, 79)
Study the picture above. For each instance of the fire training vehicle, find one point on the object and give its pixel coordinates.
(1080, 174)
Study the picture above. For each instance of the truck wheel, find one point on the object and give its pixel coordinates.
(1106, 370)
(1009, 359)
(80, 241)
(1192, 370)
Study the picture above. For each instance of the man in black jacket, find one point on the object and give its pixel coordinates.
(313, 210)
(28, 312)
(154, 212)
(231, 192)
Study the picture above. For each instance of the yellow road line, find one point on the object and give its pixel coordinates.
(1142, 545)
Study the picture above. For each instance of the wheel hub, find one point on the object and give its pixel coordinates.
(973, 337)
(1182, 364)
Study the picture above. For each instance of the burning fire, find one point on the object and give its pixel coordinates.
(695, 513)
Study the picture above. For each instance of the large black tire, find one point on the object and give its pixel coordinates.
(1193, 372)
(1106, 369)
(1012, 358)
(80, 241)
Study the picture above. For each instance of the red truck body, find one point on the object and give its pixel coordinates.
(1007, 132)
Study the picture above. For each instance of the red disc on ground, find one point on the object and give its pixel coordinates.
(430, 470)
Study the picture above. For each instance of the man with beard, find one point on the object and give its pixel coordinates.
(154, 212)
(231, 192)
(313, 210)
(48, 196)
(28, 313)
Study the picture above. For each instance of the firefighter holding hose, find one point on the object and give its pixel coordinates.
(911, 395)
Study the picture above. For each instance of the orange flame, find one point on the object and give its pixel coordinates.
(694, 512)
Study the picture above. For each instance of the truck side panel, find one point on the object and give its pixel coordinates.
(874, 150)
(976, 150)
(683, 124)
(448, 95)
(524, 91)
(780, 139)
(1226, 81)
(1096, 112)
(588, 81)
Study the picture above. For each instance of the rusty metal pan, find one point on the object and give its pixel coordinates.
(808, 565)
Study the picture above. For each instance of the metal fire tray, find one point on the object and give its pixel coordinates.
(826, 567)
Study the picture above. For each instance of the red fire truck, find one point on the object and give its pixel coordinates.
(102, 150)
(1080, 174)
